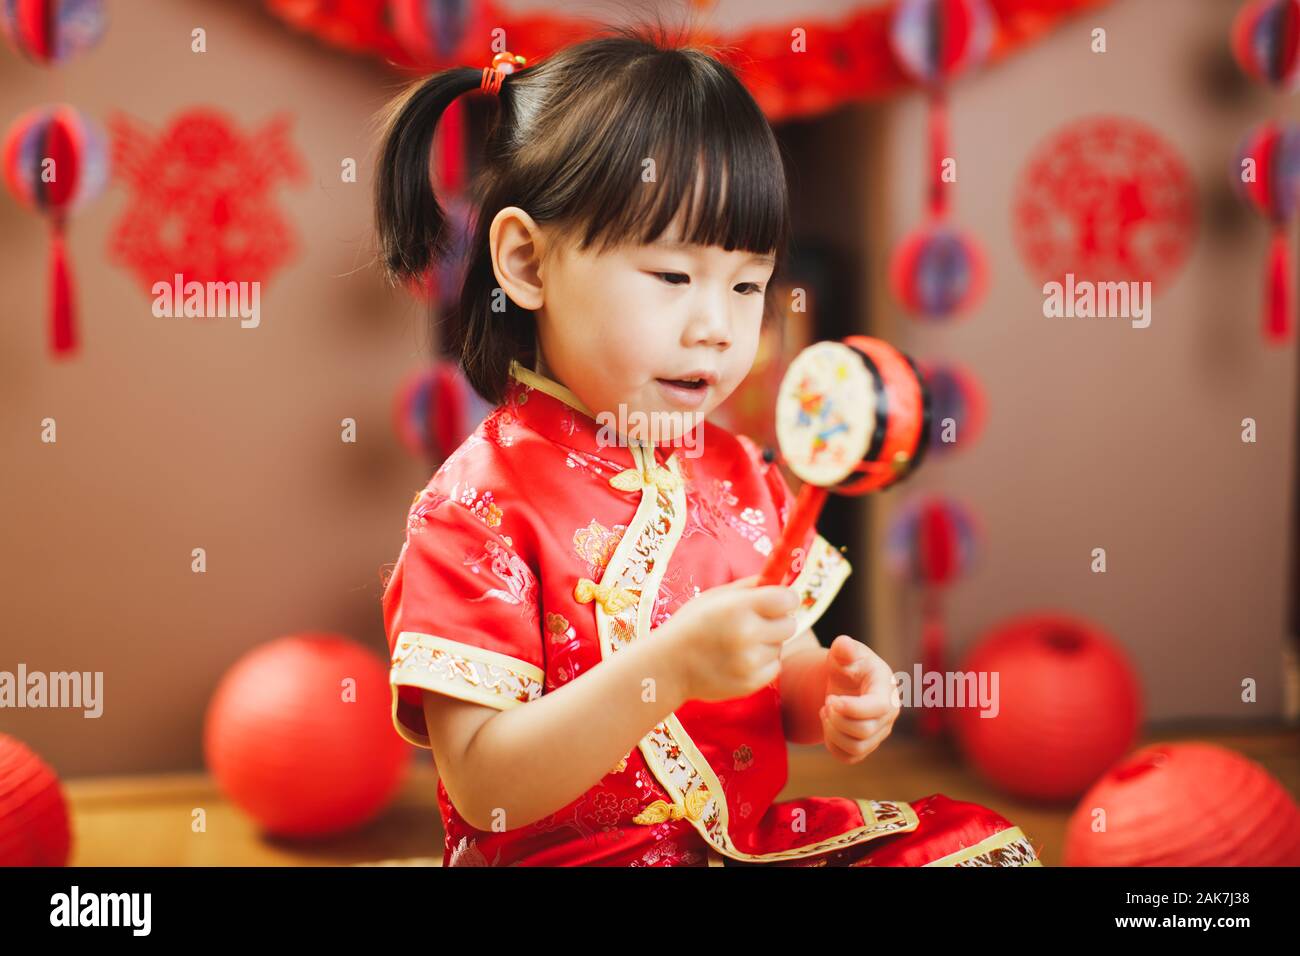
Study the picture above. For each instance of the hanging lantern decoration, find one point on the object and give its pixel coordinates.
(442, 33)
(1267, 174)
(435, 410)
(931, 544)
(937, 271)
(1266, 42)
(51, 31)
(959, 407)
(55, 162)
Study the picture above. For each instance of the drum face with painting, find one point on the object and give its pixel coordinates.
(852, 416)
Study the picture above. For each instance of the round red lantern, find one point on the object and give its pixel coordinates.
(1185, 804)
(299, 735)
(1067, 706)
(34, 828)
(54, 163)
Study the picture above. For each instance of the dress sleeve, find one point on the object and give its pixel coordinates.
(461, 616)
(823, 568)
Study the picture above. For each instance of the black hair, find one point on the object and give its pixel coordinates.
(569, 146)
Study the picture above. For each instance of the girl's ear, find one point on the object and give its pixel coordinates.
(517, 245)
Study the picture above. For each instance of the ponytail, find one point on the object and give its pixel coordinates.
(411, 226)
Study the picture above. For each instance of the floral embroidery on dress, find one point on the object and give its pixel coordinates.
(483, 507)
(558, 626)
(596, 544)
(520, 585)
(742, 758)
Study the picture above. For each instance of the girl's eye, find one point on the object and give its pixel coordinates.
(749, 288)
(673, 278)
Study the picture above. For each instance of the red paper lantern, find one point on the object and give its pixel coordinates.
(959, 400)
(51, 31)
(289, 745)
(54, 163)
(1185, 804)
(1068, 706)
(34, 828)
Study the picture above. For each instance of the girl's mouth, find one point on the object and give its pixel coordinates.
(690, 393)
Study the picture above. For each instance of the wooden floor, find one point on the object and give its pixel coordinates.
(146, 820)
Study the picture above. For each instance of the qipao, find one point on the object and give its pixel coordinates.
(536, 551)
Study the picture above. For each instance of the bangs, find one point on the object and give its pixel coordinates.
(679, 135)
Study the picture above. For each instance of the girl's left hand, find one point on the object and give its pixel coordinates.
(861, 704)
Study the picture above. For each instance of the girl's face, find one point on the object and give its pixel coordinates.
(618, 328)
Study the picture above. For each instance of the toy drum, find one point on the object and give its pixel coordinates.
(851, 417)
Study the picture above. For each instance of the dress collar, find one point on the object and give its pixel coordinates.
(554, 411)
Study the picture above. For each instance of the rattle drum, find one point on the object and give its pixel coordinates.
(852, 417)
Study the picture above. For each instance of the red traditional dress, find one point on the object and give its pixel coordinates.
(536, 551)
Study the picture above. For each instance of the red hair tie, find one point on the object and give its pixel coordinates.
(503, 64)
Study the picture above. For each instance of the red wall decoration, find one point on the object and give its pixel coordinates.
(201, 198)
(1108, 199)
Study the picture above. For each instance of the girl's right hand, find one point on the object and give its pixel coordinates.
(727, 640)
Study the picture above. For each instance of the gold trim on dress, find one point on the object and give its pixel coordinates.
(550, 386)
(823, 573)
(464, 671)
(1008, 847)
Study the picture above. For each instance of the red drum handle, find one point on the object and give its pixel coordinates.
(807, 506)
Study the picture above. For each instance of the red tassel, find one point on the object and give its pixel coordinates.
(1277, 314)
(63, 332)
(932, 641)
(938, 152)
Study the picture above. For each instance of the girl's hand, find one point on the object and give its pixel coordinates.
(728, 639)
(861, 701)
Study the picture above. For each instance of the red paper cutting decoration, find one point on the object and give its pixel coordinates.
(1108, 200)
(55, 162)
(200, 198)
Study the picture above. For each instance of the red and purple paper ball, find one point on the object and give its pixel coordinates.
(1267, 170)
(55, 161)
(51, 31)
(937, 271)
(436, 32)
(958, 407)
(935, 40)
(1266, 41)
(932, 541)
(435, 410)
